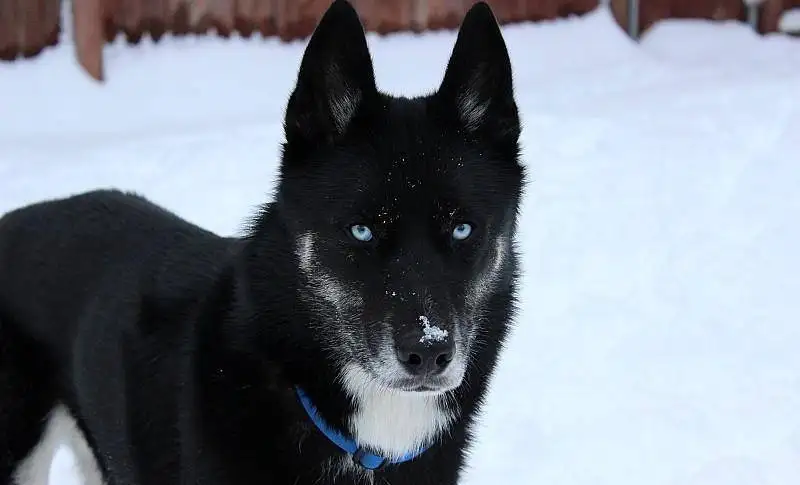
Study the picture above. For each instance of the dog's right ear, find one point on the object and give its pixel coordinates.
(336, 78)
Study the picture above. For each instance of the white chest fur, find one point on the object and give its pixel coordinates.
(392, 422)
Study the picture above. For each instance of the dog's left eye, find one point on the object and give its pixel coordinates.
(361, 232)
(462, 231)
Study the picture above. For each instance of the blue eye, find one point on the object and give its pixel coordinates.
(462, 231)
(361, 233)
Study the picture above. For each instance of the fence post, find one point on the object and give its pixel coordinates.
(633, 18)
(87, 31)
(753, 13)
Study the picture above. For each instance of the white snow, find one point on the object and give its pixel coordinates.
(658, 336)
(790, 21)
(431, 333)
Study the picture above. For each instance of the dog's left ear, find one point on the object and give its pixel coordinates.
(336, 77)
(478, 81)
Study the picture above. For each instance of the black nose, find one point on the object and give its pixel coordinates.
(421, 358)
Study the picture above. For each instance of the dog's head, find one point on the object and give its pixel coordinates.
(402, 211)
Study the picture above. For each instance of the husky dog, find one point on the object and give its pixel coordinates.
(348, 337)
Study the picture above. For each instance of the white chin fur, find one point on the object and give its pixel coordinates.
(390, 421)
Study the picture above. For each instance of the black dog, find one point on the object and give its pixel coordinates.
(348, 338)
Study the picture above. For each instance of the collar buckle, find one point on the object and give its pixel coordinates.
(367, 460)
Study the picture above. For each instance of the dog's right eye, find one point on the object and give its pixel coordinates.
(462, 231)
(361, 232)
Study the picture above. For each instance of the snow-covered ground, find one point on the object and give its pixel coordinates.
(660, 326)
(790, 21)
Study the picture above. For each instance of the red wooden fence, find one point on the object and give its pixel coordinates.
(651, 11)
(28, 26)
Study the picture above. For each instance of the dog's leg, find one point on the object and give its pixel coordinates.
(35, 468)
(61, 430)
(27, 397)
(87, 465)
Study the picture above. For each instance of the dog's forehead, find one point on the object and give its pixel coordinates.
(421, 171)
(416, 185)
(412, 146)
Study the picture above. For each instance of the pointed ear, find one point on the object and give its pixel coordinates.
(336, 77)
(478, 81)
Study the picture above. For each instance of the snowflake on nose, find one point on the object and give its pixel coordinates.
(431, 333)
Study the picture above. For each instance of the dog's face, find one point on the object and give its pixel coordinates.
(402, 210)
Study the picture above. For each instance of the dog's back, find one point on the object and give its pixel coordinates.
(79, 272)
(55, 254)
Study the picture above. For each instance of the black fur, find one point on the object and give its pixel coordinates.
(177, 351)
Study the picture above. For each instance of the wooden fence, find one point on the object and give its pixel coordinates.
(29, 26)
(764, 15)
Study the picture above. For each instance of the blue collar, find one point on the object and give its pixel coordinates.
(368, 460)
